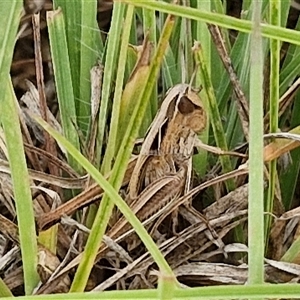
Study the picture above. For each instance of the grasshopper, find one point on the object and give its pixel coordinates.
(166, 152)
(161, 172)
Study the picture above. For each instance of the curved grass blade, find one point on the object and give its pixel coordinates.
(10, 122)
(116, 198)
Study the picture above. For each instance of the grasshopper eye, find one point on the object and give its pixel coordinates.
(185, 106)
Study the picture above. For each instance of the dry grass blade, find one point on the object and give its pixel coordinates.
(284, 101)
(85, 198)
(69, 183)
(282, 145)
(49, 141)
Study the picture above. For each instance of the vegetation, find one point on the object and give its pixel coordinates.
(248, 72)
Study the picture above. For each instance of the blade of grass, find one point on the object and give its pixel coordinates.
(174, 44)
(132, 56)
(292, 254)
(166, 286)
(186, 43)
(170, 74)
(218, 69)
(133, 89)
(270, 31)
(89, 41)
(113, 48)
(268, 291)
(256, 291)
(275, 11)
(239, 57)
(71, 10)
(256, 165)
(4, 290)
(63, 78)
(114, 125)
(289, 178)
(213, 110)
(202, 34)
(242, 64)
(21, 187)
(10, 122)
(8, 30)
(133, 33)
(149, 26)
(291, 66)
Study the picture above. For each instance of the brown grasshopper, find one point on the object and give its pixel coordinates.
(169, 144)
(163, 167)
(165, 152)
(161, 173)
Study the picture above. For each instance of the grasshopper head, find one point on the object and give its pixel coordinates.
(190, 105)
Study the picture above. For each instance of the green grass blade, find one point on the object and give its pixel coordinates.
(218, 68)
(166, 286)
(90, 39)
(113, 48)
(239, 57)
(149, 25)
(63, 78)
(185, 56)
(289, 176)
(203, 35)
(4, 290)
(114, 126)
(10, 122)
(267, 30)
(291, 66)
(256, 165)
(113, 194)
(21, 186)
(212, 108)
(275, 9)
(268, 291)
(256, 291)
(292, 254)
(169, 70)
(72, 15)
(8, 30)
